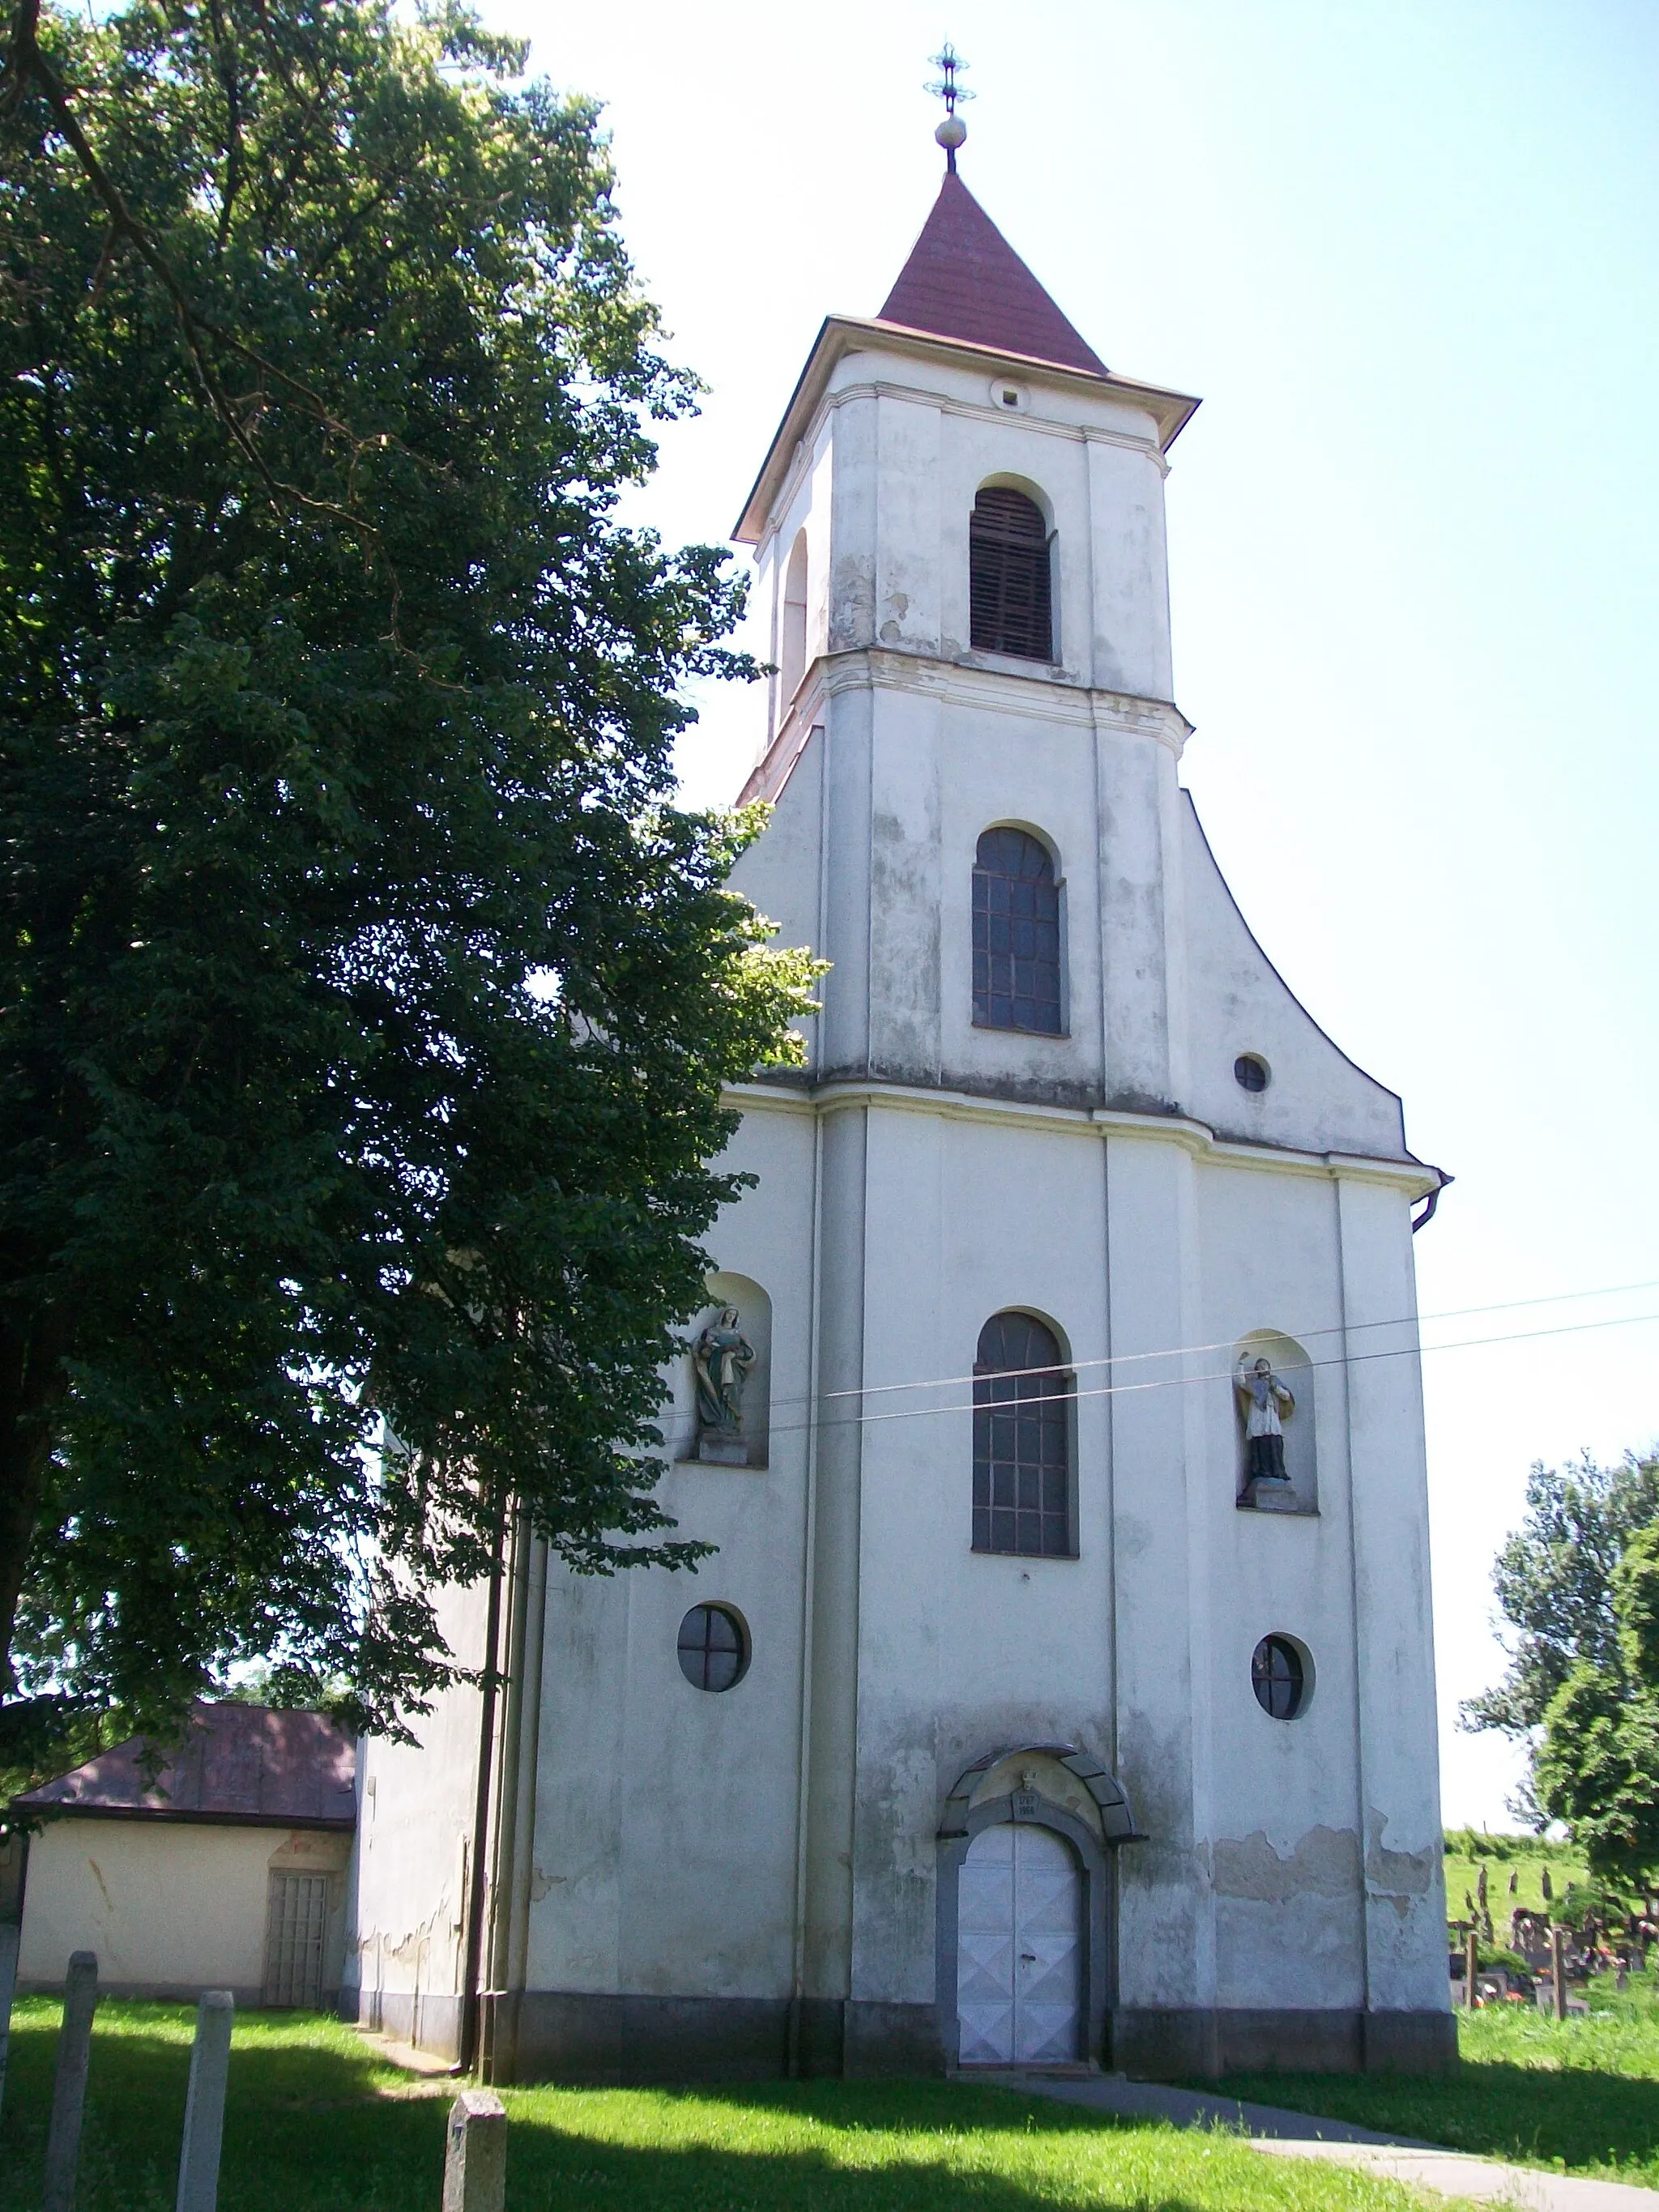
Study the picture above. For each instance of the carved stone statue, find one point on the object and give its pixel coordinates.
(721, 1360)
(1267, 1404)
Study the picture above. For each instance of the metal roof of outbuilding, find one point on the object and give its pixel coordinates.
(242, 1766)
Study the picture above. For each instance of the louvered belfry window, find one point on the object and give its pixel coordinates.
(1016, 935)
(1009, 592)
(1022, 1449)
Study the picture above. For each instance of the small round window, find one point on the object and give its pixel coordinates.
(713, 1648)
(1279, 1678)
(1250, 1072)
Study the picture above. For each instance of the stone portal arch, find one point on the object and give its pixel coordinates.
(1060, 1790)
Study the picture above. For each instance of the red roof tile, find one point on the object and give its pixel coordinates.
(963, 280)
(247, 1764)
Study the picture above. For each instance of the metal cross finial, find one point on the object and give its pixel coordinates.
(952, 130)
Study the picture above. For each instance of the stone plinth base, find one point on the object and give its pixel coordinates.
(1175, 2045)
(547, 2035)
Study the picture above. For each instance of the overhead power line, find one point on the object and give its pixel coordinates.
(1224, 1344)
(1181, 1382)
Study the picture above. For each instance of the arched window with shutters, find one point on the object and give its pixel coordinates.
(1022, 1440)
(1016, 935)
(1009, 588)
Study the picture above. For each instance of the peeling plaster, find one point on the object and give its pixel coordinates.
(1325, 1862)
(1395, 1877)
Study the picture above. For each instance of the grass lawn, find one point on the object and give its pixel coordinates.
(316, 2124)
(1527, 1865)
(1582, 2094)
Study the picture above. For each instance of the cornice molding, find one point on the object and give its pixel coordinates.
(1003, 690)
(1415, 1178)
(962, 684)
(838, 334)
(917, 395)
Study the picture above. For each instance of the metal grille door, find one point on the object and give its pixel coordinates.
(1019, 1901)
(294, 1929)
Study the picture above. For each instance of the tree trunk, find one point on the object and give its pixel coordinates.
(32, 1387)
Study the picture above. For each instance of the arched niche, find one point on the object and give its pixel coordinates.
(689, 1440)
(1293, 1367)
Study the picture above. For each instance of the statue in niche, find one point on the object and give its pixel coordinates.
(721, 1361)
(1267, 1405)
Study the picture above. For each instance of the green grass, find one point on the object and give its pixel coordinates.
(312, 2128)
(1527, 1865)
(1581, 2095)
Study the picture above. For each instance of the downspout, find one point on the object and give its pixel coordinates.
(529, 1769)
(1422, 1220)
(496, 2063)
(471, 2008)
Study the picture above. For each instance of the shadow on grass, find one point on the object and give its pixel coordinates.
(308, 2132)
(286, 2070)
(1576, 2116)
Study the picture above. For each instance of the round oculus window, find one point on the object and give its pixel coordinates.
(713, 1648)
(1279, 1678)
(1250, 1071)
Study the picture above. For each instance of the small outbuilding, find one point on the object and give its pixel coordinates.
(225, 1869)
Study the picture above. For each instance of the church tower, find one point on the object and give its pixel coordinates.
(1061, 1688)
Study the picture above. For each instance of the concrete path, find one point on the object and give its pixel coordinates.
(1460, 2174)
(1282, 2134)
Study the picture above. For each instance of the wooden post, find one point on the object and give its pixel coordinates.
(205, 2103)
(10, 1934)
(475, 2155)
(1558, 1972)
(1471, 1969)
(68, 2088)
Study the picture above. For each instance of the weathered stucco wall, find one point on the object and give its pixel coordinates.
(416, 1815)
(748, 1881)
(169, 1907)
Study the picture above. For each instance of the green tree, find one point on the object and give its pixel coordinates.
(1554, 1582)
(365, 999)
(1597, 1766)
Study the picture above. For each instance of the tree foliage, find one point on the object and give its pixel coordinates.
(1597, 1766)
(365, 1000)
(1579, 1589)
(1554, 1578)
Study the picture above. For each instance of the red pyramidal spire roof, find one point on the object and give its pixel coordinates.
(963, 280)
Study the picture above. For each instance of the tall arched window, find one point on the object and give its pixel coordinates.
(791, 629)
(1016, 935)
(1009, 593)
(1022, 1440)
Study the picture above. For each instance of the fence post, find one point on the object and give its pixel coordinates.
(11, 1935)
(68, 2088)
(205, 2103)
(1558, 1973)
(475, 2155)
(1471, 1971)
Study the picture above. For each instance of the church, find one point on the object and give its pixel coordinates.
(1061, 1691)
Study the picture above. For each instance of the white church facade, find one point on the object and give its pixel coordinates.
(1061, 1691)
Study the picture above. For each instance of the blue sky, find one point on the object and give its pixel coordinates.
(1406, 254)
